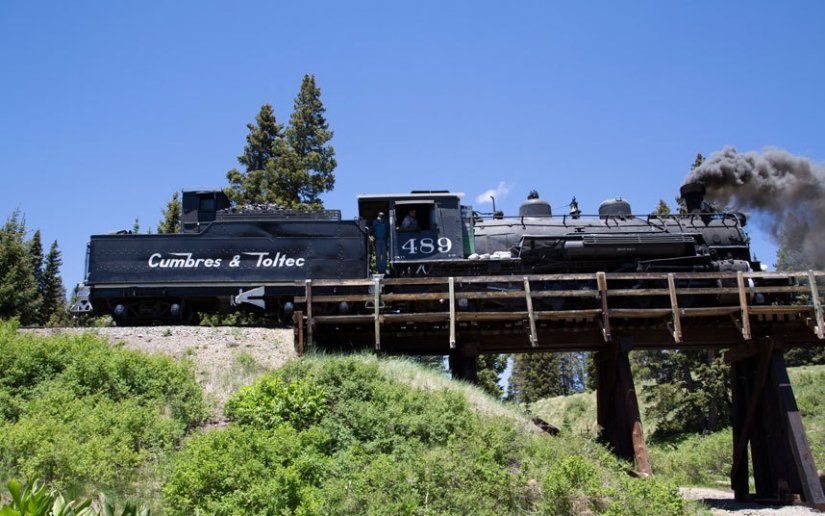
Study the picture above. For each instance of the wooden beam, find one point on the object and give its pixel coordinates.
(743, 302)
(617, 407)
(298, 331)
(377, 313)
(674, 306)
(601, 281)
(310, 320)
(452, 313)
(817, 305)
(811, 487)
(742, 435)
(534, 341)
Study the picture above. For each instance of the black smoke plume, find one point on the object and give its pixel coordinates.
(787, 193)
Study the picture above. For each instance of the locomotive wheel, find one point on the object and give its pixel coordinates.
(189, 317)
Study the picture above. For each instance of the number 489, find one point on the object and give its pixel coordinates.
(427, 245)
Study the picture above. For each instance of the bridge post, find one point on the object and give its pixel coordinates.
(765, 416)
(617, 408)
(463, 363)
(298, 332)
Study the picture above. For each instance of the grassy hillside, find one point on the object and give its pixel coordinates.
(322, 435)
(694, 460)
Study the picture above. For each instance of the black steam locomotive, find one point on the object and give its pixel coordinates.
(229, 258)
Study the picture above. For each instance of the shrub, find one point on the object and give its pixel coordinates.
(369, 445)
(271, 401)
(97, 415)
(243, 470)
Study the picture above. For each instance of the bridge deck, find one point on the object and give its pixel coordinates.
(562, 312)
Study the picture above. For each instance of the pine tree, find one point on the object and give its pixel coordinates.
(264, 144)
(171, 216)
(662, 210)
(290, 168)
(52, 292)
(308, 137)
(535, 376)
(490, 368)
(691, 393)
(35, 249)
(18, 288)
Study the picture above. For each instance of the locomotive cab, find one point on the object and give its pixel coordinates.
(438, 231)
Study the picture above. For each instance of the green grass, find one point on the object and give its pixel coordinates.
(694, 460)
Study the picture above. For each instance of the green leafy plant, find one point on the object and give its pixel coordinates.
(82, 414)
(270, 401)
(34, 498)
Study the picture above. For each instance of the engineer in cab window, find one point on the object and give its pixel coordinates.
(409, 222)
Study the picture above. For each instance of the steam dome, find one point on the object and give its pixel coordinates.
(616, 207)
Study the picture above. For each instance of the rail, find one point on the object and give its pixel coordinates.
(601, 298)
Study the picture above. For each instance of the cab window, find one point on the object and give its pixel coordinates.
(415, 217)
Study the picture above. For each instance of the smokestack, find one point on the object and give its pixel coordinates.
(693, 194)
(785, 192)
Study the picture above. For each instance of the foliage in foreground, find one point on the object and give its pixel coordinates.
(34, 498)
(82, 414)
(336, 436)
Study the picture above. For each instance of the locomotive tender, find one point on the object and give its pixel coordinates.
(229, 258)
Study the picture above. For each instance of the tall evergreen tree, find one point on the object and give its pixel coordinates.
(691, 393)
(662, 210)
(535, 376)
(290, 168)
(264, 144)
(489, 369)
(52, 291)
(35, 249)
(18, 288)
(308, 136)
(171, 216)
(573, 368)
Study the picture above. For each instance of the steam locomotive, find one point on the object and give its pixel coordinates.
(228, 258)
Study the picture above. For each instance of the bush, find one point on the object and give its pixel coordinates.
(364, 444)
(645, 497)
(271, 401)
(82, 414)
(243, 470)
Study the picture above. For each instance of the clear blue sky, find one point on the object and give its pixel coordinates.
(107, 108)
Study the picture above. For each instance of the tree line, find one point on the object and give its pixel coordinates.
(31, 289)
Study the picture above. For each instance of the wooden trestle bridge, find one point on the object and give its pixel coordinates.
(610, 314)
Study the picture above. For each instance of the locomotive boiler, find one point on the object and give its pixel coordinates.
(228, 258)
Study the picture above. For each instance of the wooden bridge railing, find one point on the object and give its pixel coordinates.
(534, 298)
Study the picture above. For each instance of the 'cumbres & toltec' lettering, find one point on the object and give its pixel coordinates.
(187, 261)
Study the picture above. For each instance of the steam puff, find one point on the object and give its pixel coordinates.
(499, 193)
(788, 190)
